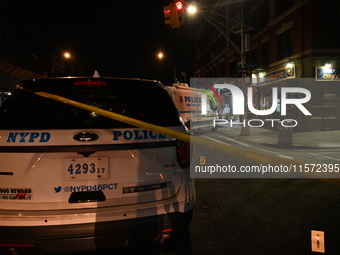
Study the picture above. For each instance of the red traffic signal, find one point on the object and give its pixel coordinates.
(180, 13)
(179, 6)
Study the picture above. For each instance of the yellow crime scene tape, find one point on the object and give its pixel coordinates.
(242, 153)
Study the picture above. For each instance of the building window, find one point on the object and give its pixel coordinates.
(222, 69)
(265, 12)
(233, 69)
(329, 99)
(265, 54)
(285, 47)
(221, 43)
(253, 56)
(283, 5)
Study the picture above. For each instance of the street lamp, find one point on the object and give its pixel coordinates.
(65, 55)
(160, 55)
(192, 9)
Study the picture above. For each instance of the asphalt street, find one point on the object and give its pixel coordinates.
(250, 216)
(264, 216)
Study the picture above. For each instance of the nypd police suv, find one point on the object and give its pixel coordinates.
(72, 180)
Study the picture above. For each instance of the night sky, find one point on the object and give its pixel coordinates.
(117, 38)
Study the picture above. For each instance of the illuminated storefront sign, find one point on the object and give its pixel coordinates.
(277, 75)
(327, 73)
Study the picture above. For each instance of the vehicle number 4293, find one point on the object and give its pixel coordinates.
(86, 168)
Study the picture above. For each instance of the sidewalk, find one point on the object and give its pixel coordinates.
(315, 139)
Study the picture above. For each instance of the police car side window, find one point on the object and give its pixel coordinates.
(25, 110)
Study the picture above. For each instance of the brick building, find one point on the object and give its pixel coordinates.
(287, 40)
(18, 49)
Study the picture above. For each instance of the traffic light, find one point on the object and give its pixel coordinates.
(168, 15)
(180, 13)
(179, 5)
(174, 14)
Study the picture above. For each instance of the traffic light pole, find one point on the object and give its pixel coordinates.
(244, 128)
(242, 51)
(160, 56)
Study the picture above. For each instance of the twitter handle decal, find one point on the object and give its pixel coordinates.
(82, 188)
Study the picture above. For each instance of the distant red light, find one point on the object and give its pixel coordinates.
(16, 245)
(161, 231)
(90, 83)
(179, 6)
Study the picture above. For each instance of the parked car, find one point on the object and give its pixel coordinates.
(72, 180)
(4, 93)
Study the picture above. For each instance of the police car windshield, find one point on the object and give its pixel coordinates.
(144, 101)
